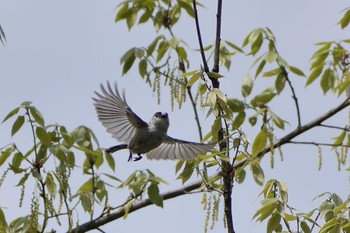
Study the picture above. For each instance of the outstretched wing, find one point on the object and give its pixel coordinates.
(115, 114)
(173, 149)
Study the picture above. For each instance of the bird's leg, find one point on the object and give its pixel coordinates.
(139, 156)
(130, 157)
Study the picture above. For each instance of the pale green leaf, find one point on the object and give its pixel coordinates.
(11, 114)
(38, 117)
(154, 196)
(247, 86)
(17, 125)
(43, 136)
(259, 142)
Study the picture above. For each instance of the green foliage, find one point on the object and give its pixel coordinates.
(330, 64)
(54, 144)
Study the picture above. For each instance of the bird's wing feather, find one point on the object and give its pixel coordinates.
(174, 149)
(115, 114)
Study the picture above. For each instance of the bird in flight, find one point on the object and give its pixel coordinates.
(138, 136)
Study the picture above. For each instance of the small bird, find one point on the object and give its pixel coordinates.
(139, 137)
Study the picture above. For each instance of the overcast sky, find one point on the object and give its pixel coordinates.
(58, 52)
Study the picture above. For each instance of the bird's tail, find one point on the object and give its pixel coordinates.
(116, 148)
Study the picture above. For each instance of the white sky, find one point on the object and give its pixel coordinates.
(58, 52)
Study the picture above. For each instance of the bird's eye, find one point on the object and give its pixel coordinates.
(158, 114)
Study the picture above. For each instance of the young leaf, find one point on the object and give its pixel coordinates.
(247, 86)
(314, 74)
(153, 194)
(11, 114)
(43, 136)
(110, 161)
(259, 142)
(5, 154)
(296, 71)
(38, 117)
(17, 125)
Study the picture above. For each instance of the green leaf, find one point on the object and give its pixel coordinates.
(122, 13)
(314, 75)
(239, 120)
(162, 49)
(220, 95)
(273, 223)
(235, 105)
(273, 72)
(17, 125)
(43, 136)
(131, 17)
(38, 117)
(3, 222)
(187, 7)
(17, 160)
(258, 174)
(23, 180)
(194, 77)
(235, 47)
(345, 20)
(187, 171)
(240, 175)
(216, 127)
(145, 17)
(263, 98)
(277, 120)
(153, 194)
(260, 68)
(327, 80)
(280, 83)
(271, 56)
(87, 201)
(266, 210)
(252, 120)
(247, 86)
(214, 75)
(212, 99)
(305, 227)
(152, 46)
(5, 154)
(259, 142)
(11, 114)
(129, 61)
(179, 165)
(110, 161)
(296, 71)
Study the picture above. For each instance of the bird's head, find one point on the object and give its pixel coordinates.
(160, 120)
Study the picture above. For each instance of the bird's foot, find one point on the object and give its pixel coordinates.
(134, 159)
(137, 158)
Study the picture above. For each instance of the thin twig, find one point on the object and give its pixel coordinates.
(318, 143)
(300, 130)
(336, 127)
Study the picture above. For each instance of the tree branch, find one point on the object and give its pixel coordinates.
(95, 223)
(300, 130)
(201, 48)
(318, 143)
